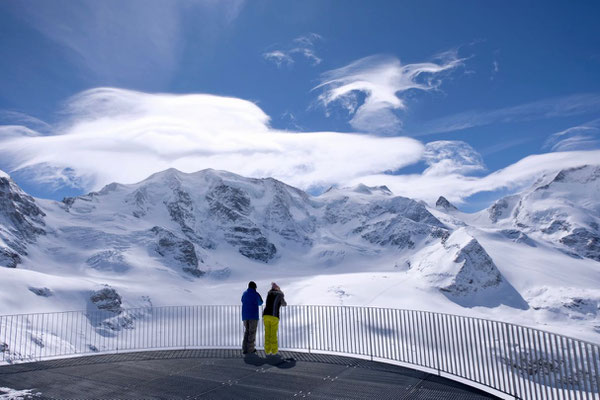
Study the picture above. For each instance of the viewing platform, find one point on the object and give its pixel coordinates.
(226, 374)
(327, 352)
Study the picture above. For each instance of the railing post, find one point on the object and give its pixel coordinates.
(370, 329)
(310, 327)
(438, 342)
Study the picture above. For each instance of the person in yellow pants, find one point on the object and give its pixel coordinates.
(271, 327)
(275, 299)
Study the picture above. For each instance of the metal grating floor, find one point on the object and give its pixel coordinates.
(226, 374)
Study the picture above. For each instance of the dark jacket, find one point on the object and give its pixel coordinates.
(250, 301)
(275, 300)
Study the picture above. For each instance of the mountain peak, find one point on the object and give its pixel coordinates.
(361, 188)
(4, 175)
(442, 202)
(167, 173)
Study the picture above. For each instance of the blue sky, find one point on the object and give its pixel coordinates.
(428, 97)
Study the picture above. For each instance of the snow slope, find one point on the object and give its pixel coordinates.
(198, 238)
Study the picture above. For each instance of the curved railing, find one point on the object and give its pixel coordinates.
(514, 360)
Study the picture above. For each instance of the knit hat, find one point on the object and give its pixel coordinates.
(274, 286)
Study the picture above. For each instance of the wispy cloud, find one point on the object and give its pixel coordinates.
(125, 42)
(381, 80)
(566, 106)
(504, 145)
(581, 137)
(121, 135)
(17, 118)
(303, 46)
(278, 57)
(457, 187)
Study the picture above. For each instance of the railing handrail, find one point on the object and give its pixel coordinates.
(323, 305)
(521, 361)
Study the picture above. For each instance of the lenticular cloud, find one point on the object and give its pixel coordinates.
(121, 135)
(381, 79)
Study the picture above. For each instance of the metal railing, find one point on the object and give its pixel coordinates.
(515, 360)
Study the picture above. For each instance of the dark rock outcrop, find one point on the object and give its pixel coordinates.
(180, 250)
(251, 243)
(107, 299)
(43, 291)
(444, 204)
(477, 272)
(108, 260)
(583, 242)
(9, 258)
(21, 222)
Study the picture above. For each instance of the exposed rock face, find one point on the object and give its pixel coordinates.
(288, 215)
(178, 250)
(108, 260)
(107, 299)
(251, 243)
(444, 204)
(181, 210)
(477, 270)
(583, 242)
(229, 203)
(557, 225)
(8, 258)
(230, 210)
(502, 208)
(139, 199)
(43, 291)
(399, 232)
(21, 221)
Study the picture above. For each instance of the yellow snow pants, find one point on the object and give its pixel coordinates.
(271, 326)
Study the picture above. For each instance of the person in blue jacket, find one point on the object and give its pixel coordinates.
(251, 300)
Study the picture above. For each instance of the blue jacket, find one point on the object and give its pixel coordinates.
(250, 301)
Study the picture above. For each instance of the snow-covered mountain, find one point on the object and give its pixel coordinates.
(178, 238)
(21, 221)
(562, 208)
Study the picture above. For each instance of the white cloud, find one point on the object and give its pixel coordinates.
(309, 54)
(582, 137)
(495, 70)
(279, 58)
(446, 157)
(120, 135)
(566, 106)
(308, 40)
(381, 79)
(457, 187)
(303, 46)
